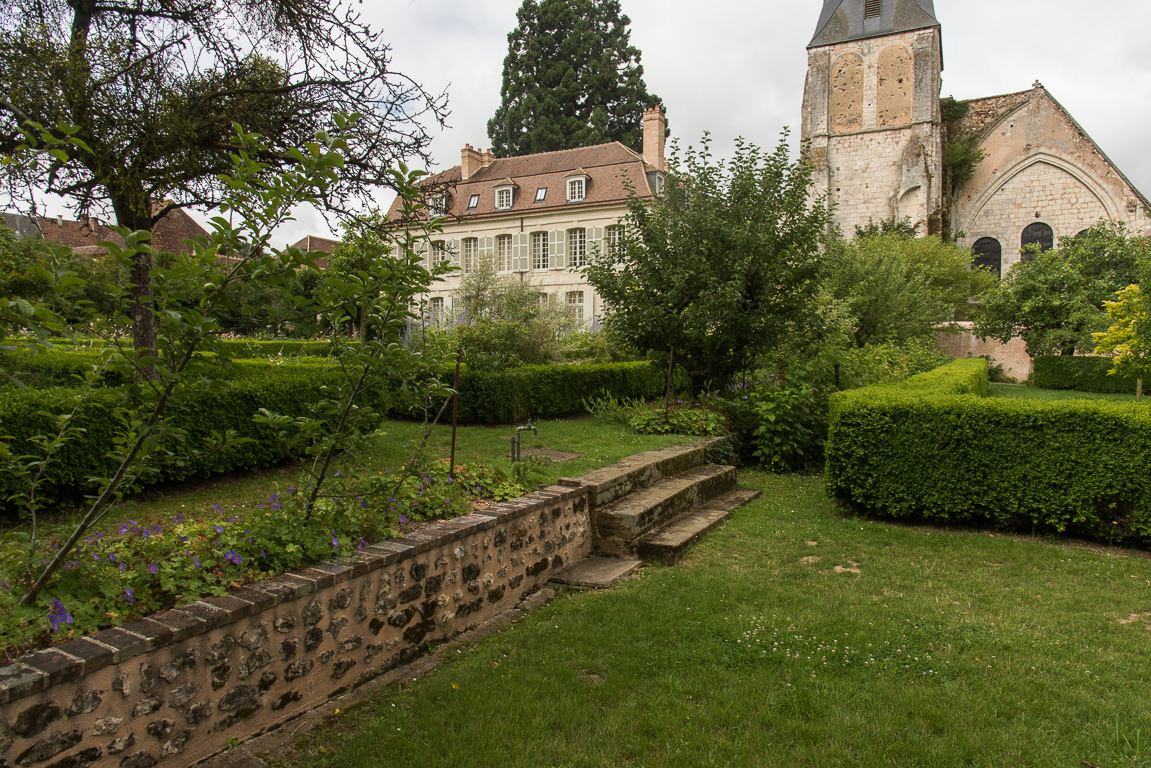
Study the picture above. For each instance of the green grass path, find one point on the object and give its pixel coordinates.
(797, 636)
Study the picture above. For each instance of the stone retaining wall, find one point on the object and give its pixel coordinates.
(177, 686)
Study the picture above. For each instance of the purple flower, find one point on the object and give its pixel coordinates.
(58, 615)
(95, 555)
(124, 527)
(153, 568)
(123, 567)
(359, 548)
(157, 529)
(130, 596)
(233, 557)
(218, 528)
(112, 557)
(218, 507)
(4, 584)
(196, 560)
(264, 556)
(403, 519)
(336, 543)
(232, 519)
(179, 518)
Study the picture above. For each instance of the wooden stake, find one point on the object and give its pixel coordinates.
(455, 411)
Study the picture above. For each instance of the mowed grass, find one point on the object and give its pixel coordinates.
(797, 636)
(1027, 392)
(597, 443)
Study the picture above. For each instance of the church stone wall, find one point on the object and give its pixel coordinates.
(871, 111)
(1039, 167)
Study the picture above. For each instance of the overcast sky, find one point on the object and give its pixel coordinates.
(737, 67)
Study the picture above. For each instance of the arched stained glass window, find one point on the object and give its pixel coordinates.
(1039, 234)
(988, 254)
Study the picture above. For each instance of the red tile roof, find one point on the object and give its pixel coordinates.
(608, 167)
(85, 236)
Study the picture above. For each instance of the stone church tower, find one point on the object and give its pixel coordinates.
(871, 111)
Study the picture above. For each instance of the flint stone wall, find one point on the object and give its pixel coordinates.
(175, 687)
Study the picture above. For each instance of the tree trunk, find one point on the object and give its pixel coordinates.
(1139, 390)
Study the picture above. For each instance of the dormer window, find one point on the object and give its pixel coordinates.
(474, 202)
(577, 187)
(505, 195)
(438, 205)
(541, 193)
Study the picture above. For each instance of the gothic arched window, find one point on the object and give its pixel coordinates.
(1039, 234)
(988, 254)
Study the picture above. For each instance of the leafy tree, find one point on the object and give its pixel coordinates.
(151, 89)
(895, 288)
(1054, 300)
(1128, 339)
(572, 78)
(723, 266)
(361, 247)
(371, 375)
(501, 320)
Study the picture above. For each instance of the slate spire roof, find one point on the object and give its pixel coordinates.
(843, 20)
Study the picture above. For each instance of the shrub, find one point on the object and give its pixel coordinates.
(680, 419)
(934, 449)
(231, 406)
(551, 391)
(1078, 372)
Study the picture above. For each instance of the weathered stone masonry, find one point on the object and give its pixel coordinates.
(175, 687)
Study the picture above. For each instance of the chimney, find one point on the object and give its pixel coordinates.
(654, 136)
(60, 220)
(486, 158)
(469, 162)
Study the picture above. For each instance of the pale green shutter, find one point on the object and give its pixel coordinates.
(521, 252)
(595, 241)
(453, 247)
(557, 248)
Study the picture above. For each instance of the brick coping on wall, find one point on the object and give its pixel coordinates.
(91, 686)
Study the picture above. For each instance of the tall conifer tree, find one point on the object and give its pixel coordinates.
(572, 78)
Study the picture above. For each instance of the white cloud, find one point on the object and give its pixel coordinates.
(737, 67)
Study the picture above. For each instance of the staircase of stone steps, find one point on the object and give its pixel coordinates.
(651, 507)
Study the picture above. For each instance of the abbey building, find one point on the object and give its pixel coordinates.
(879, 133)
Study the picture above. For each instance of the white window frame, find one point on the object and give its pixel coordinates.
(611, 237)
(504, 253)
(439, 252)
(577, 189)
(577, 247)
(438, 205)
(540, 258)
(575, 299)
(541, 194)
(505, 198)
(473, 202)
(469, 246)
(436, 308)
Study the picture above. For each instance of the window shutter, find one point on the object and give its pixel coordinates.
(489, 250)
(421, 249)
(557, 247)
(520, 252)
(453, 247)
(595, 242)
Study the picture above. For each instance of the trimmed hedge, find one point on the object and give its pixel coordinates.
(940, 452)
(285, 389)
(1081, 373)
(288, 388)
(553, 391)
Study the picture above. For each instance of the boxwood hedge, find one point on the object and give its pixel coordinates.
(934, 449)
(1083, 374)
(24, 413)
(289, 388)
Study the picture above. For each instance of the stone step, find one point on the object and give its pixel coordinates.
(597, 572)
(609, 484)
(618, 526)
(667, 544)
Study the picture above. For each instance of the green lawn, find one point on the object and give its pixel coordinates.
(1034, 393)
(798, 636)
